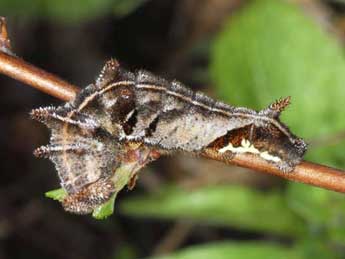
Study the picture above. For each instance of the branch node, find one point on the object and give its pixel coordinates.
(5, 43)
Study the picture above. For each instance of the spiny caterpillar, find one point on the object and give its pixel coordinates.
(129, 117)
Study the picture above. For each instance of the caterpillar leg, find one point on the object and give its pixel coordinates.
(89, 197)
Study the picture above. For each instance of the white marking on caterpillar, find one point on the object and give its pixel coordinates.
(247, 147)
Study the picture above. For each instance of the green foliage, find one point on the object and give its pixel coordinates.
(234, 206)
(105, 210)
(57, 194)
(125, 251)
(322, 209)
(313, 217)
(236, 250)
(73, 11)
(123, 7)
(68, 11)
(272, 49)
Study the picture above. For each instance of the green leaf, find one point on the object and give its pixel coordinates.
(67, 11)
(20, 8)
(105, 210)
(236, 250)
(233, 206)
(272, 49)
(58, 194)
(316, 248)
(124, 7)
(125, 251)
(79, 10)
(323, 210)
(121, 178)
(74, 11)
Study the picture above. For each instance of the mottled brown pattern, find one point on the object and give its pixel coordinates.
(135, 117)
(83, 201)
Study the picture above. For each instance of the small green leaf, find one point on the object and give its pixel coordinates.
(58, 194)
(105, 210)
(121, 178)
(233, 206)
(236, 250)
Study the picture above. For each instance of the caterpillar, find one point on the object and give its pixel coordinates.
(127, 117)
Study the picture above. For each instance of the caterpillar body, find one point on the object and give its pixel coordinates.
(127, 117)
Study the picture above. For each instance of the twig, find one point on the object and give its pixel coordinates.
(48, 83)
(5, 43)
(20, 70)
(306, 172)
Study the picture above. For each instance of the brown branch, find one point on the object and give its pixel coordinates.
(48, 83)
(20, 70)
(305, 172)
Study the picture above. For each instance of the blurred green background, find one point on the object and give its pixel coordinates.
(247, 53)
